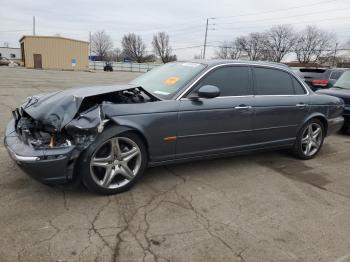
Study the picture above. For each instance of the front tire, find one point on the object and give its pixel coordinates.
(309, 140)
(114, 162)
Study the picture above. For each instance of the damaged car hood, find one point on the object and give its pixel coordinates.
(59, 108)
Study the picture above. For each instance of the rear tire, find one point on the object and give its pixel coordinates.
(309, 140)
(113, 162)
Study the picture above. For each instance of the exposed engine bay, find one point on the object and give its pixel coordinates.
(69, 119)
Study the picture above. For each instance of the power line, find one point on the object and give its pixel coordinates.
(14, 31)
(189, 26)
(259, 49)
(293, 16)
(301, 22)
(277, 10)
(187, 47)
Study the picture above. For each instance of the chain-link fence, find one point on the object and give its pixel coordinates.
(123, 66)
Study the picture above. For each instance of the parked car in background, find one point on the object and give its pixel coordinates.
(7, 62)
(108, 67)
(319, 78)
(341, 89)
(106, 136)
(4, 61)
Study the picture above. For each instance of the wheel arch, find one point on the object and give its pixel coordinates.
(121, 128)
(129, 126)
(321, 118)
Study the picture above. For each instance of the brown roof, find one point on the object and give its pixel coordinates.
(58, 37)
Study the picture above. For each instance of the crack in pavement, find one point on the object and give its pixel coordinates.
(65, 203)
(93, 227)
(147, 248)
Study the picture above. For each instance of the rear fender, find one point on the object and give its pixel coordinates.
(319, 116)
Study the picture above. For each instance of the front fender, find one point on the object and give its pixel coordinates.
(154, 128)
(126, 124)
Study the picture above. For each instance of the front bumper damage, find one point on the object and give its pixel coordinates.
(49, 165)
(48, 133)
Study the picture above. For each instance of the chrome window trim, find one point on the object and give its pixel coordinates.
(180, 96)
(221, 97)
(292, 74)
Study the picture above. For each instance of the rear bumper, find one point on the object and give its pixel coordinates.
(53, 165)
(335, 124)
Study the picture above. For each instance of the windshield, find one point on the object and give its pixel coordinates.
(166, 80)
(343, 81)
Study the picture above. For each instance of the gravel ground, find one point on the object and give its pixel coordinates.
(257, 207)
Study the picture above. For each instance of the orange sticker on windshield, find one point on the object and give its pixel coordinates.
(171, 80)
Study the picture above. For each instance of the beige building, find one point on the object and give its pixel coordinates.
(54, 52)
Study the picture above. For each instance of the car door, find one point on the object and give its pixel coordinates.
(220, 124)
(281, 105)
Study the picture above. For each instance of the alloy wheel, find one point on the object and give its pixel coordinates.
(311, 140)
(115, 163)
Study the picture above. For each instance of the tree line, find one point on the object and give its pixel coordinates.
(308, 45)
(133, 48)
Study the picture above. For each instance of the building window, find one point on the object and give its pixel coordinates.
(12, 55)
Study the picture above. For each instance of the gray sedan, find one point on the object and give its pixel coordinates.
(106, 136)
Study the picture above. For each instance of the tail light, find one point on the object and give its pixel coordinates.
(320, 82)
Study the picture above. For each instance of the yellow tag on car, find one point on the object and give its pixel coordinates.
(171, 80)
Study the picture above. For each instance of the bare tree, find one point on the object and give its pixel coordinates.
(229, 50)
(101, 44)
(133, 47)
(162, 48)
(311, 44)
(252, 45)
(115, 55)
(280, 41)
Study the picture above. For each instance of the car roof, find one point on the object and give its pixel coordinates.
(212, 63)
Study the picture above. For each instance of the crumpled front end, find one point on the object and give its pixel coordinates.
(48, 145)
(46, 164)
(50, 156)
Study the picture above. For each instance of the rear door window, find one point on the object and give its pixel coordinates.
(269, 81)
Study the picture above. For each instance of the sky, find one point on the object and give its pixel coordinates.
(183, 20)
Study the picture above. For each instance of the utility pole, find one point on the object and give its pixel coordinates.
(205, 38)
(90, 46)
(33, 25)
(206, 34)
(335, 53)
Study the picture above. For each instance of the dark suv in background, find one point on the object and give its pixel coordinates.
(319, 78)
(341, 89)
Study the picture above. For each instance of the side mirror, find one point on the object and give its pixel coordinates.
(208, 91)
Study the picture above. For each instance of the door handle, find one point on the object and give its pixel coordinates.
(243, 107)
(301, 105)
